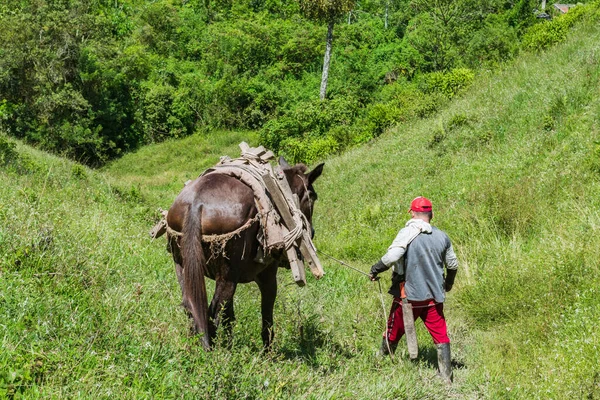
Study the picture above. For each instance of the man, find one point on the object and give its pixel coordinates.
(418, 255)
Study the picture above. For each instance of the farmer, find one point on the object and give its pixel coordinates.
(418, 255)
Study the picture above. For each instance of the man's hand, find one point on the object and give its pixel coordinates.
(378, 267)
(449, 281)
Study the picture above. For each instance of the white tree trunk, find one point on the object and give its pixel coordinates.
(387, 6)
(326, 60)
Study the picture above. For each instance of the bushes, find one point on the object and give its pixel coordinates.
(547, 33)
(309, 149)
(241, 47)
(61, 86)
(494, 43)
(8, 153)
(93, 81)
(11, 159)
(160, 118)
(333, 125)
(448, 83)
(311, 121)
(382, 115)
(301, 52)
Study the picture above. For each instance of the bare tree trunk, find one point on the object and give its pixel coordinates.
(387, 6)
(326, 60)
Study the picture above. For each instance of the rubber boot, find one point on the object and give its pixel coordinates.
(384, 350)
(444, 362)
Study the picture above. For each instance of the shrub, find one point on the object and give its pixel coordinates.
(164, 113)
(381, 116)
(78, 171)
(432, 39)
(79, 140)
(309, 149)
(520, 16)
(13, 160)
(541, 36)
(265, 99)
(245, 45)
(311, 119)
(448, 83)
(494, 43)
(8, 153)
(6, 114)
(301, 51)
(547, 33)
(161, 25)
(408, 60)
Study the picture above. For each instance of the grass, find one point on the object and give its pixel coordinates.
(157, 172)
(89, 305)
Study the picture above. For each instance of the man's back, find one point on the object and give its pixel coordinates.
(424, 263)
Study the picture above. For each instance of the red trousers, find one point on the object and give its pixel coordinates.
(431, 313)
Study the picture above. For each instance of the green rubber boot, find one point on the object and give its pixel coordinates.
(444, 362)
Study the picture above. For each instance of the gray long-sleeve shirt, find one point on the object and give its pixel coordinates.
(422, 262)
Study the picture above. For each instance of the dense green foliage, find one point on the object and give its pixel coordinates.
(90, 306)
(95, 79)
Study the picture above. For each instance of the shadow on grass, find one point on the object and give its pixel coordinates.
(310, 344)
(428, 355)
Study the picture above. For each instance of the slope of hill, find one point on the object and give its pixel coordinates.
(89, 305)
(513, 169)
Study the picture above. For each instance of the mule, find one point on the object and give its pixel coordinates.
(217, 204)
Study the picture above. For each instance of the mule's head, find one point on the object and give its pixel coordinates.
(301, 182)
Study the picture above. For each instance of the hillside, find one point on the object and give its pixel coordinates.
(90, 305)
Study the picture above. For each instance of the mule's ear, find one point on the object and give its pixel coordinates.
(284, 164)
(315, 173)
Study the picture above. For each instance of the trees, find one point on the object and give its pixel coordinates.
(67, 78)
(95, 79)
(327, 11)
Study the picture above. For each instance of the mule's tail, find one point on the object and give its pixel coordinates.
(194, 288)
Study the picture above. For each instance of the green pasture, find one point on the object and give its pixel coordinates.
(90, 306)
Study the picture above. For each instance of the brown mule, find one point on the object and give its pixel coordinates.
(217, 204)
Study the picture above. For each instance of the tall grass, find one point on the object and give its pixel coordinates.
(159, 171)
(512, 171)
(89, 305)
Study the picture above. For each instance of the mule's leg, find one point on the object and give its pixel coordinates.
(267, 283)
(221, 307)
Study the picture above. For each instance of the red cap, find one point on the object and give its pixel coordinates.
(421, 204)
